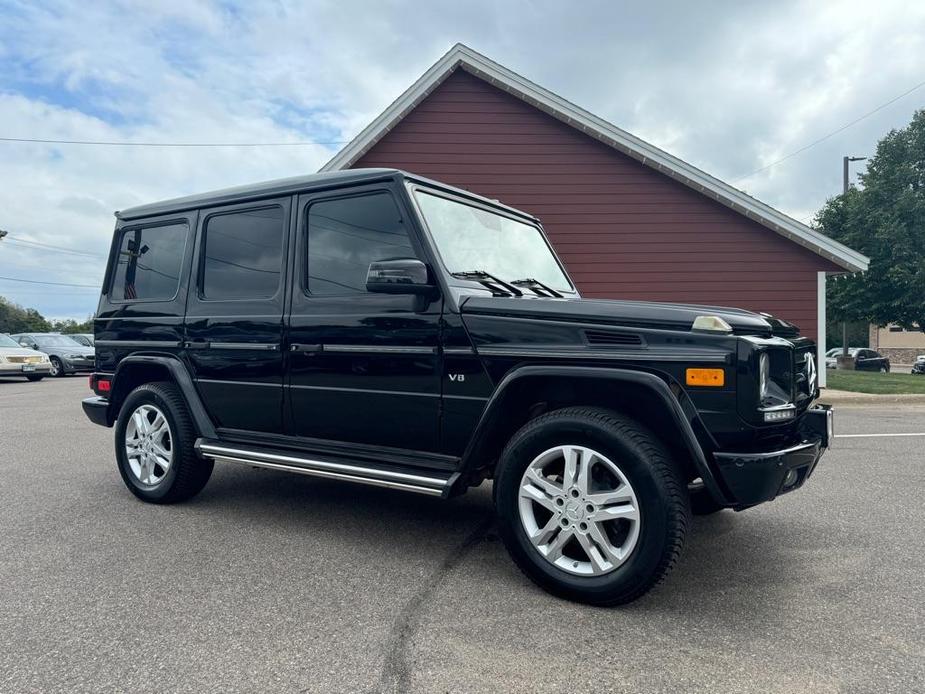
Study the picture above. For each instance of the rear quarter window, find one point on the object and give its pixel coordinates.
(147, 267)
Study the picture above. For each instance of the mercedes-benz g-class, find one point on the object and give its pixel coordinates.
(377, 327)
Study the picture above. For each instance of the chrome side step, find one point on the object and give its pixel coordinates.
(350, 472)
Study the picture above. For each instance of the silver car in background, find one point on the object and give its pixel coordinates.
(16, 360)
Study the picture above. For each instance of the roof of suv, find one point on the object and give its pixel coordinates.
(288, 186)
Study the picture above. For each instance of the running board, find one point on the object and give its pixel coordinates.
(407, 479)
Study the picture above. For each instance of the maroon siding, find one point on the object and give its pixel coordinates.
(623, 230)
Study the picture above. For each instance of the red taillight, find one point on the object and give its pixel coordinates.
(100, 384)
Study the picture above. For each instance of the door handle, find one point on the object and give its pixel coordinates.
(197, 344)
(305, 349)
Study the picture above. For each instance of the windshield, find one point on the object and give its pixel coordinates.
(7, 341)
(469, 238)
(55, 341)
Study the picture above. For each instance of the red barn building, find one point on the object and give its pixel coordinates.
(629, 220)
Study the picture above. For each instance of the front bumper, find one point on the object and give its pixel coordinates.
(754, 477)
(17, 369)
(71, 365)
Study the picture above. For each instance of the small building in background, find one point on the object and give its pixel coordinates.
(899, 345)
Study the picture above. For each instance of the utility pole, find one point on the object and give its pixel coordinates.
(846, 184)
(845, 161)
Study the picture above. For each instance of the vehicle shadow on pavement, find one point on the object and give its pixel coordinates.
(729, 557)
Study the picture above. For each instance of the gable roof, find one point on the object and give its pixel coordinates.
(463, 57)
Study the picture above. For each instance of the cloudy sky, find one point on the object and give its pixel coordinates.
(730, 87)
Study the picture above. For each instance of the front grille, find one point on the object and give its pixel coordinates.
(605, 337)
(805, 368)
(24, 360)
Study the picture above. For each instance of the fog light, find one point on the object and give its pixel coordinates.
(779, 415)
(791, 478)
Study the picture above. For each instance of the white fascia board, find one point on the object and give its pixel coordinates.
(567, 112)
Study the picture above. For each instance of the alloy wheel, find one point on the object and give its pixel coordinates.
(579, 510)
(148, 445)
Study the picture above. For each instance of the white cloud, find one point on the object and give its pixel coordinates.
(731, 88)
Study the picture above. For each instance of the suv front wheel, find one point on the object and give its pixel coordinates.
(154, 446)
(590, 505)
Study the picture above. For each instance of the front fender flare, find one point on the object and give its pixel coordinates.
(481, 442)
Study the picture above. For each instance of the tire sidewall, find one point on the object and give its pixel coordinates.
(145, 395)
(57, 367)
(650, 494)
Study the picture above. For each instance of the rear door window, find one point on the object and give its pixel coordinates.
(242, 254)
(149, 261)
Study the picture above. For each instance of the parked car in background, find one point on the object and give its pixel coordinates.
(918, 368)
(831, 355)
(65, 355)
(85, 339)
(16, 360)
(871, 360)
(864, 359)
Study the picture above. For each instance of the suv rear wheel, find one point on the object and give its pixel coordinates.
(590, 506)
(154, 446)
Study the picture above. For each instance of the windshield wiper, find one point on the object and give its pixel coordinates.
(530, 282)
(486, 279)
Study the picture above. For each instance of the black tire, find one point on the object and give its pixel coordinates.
(35, 377)
(702, 503)
(188, 473)
(660, 492)
(884, 369)
(57, 368)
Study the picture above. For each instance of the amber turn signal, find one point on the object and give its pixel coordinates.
(706, 377)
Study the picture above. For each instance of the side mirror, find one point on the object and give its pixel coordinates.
(399, 276)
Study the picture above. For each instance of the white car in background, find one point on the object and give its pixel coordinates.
(16, 360)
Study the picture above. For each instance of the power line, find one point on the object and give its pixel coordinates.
(60, 249)
(831, 134)
(116, 143)
(56, 284)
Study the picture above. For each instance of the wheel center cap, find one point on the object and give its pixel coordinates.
(574, 511)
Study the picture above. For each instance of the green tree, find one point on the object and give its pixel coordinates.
(70, 326)
(16, 319)
(884, 220)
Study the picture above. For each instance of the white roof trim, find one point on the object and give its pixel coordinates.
(499, 76)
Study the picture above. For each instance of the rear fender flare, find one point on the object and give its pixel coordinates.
(180, 375)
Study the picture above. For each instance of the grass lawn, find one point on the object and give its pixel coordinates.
(872, 382)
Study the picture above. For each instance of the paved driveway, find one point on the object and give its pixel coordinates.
(276, 582)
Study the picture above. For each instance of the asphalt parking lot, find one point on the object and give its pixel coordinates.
(276, 582)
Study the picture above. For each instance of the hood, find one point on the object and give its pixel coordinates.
(20, 352)
(68, 349)
(640, 314)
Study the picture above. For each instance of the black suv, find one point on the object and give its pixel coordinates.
(378, 327)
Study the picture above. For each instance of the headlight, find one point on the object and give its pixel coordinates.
(764, 376)
(73, 356)
(775, 384)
